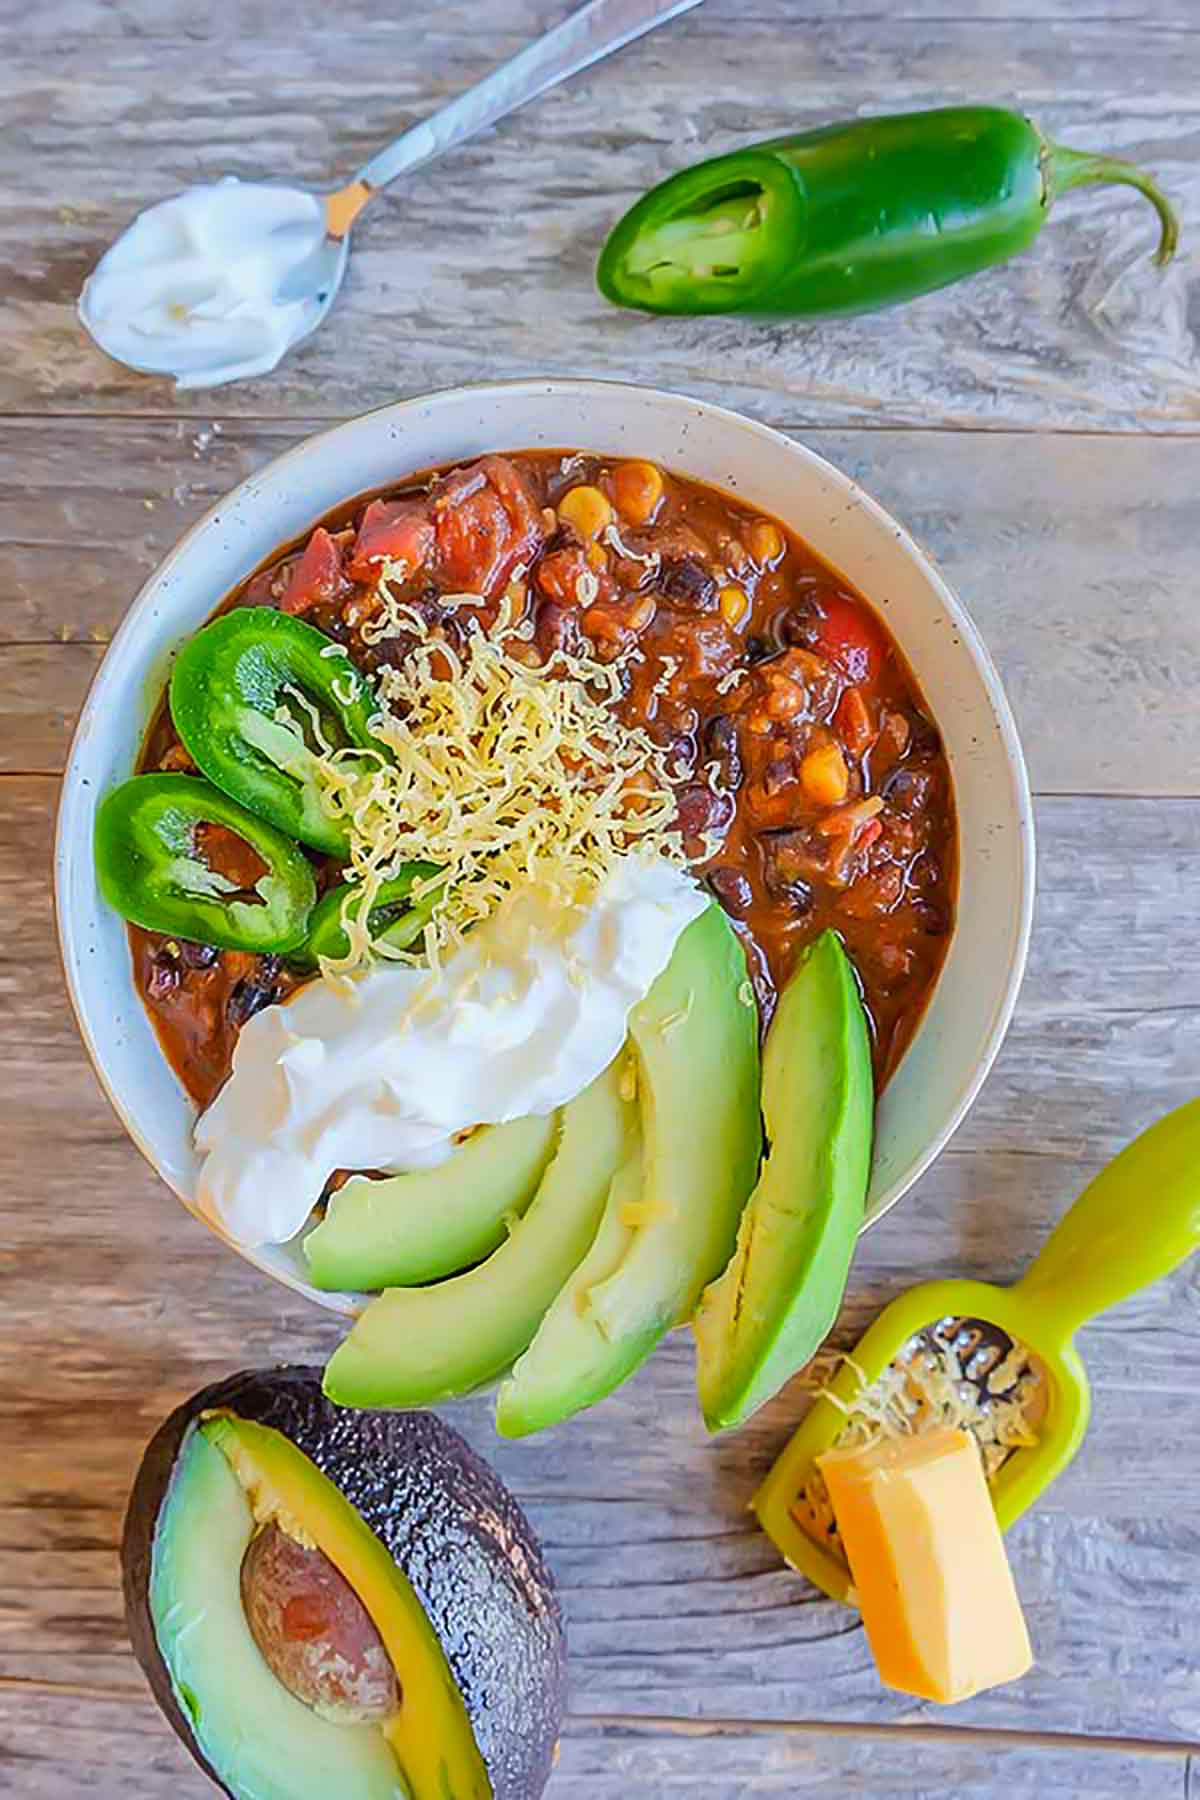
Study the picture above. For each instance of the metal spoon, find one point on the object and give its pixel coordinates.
(595, 31)
(129, 304)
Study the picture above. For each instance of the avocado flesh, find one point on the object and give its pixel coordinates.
(407, 1229)
(413, 1346)
(569, 1364)
(261, 1742)
(430, 1737)
(672, 1217)
(779, 1296)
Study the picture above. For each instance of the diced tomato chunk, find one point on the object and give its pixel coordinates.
(396, 531)
(317, 575)
(849, 637)
(488, 521)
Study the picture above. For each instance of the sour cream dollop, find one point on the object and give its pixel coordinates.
(382, 1071)
(191, 289)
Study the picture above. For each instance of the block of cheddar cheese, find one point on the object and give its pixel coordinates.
(930, 1573)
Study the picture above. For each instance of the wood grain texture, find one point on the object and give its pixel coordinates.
(1075, 554)
(45, 1737)
(1080, 332)
(675, 1603)
(1038, 430)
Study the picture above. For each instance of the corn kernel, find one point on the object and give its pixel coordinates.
(766, 542)
(735, 603)
(637, 488)
(586, 510)
(824, 776)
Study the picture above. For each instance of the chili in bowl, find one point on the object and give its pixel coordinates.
(821, 742)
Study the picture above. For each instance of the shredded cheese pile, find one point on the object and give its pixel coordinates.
(933, 1383)
(501, 768)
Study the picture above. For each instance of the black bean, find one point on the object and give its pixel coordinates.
(700, 810)
(165, 975)
(924, 874)
(688, 583)
(679, 747)
(393, 652)
(907, 790)
(933, 920)
(722, 747)
(789, 860)
(197, 956)
(556, 628)
(925, 739)
(797, 625)
(779, 773)
(759, 649)
(249, 995)
(732, 889)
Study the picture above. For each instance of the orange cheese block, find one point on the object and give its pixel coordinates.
(942, 1615)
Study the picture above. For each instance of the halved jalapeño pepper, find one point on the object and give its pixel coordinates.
(174, 854)
(258, 698)
(853, 216)
(395, 918)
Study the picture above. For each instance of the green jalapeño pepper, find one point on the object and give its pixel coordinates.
(395, 917)
(854, 216)
(152, 862)
(258, 698)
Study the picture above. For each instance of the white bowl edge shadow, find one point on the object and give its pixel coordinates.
(958, 1038)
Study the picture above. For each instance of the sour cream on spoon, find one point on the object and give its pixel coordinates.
(383, 1071)
(198, 287)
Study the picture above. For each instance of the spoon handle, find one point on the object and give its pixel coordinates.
(1138, 1220)
(592, 32)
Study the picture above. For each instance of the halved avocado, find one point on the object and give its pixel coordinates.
(416, 1345)
(672, 1217)
(769, 1311)
(407, 1229)
(476, 1640)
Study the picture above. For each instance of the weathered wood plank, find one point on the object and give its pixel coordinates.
(896, 1765)
(149, 20)
(1075, 554)
(48, 1740)
(42, 687)
(120, 1304)
(483, 266)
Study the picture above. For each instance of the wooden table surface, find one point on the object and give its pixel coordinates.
(1038, 428)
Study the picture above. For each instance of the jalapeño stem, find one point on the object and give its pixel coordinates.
(1063, 169)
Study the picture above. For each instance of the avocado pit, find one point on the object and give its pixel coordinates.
(314, 1632)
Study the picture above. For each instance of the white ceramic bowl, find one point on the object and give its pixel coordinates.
(967, 1017)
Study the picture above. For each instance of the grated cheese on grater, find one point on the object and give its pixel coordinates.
(499, 772)
(934, 1382)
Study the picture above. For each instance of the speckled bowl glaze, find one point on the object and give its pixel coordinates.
(961, 1032)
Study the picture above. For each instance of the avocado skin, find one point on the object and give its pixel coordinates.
(449, 1522)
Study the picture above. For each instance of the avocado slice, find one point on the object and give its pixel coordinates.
(216, 1669)
(569, 1365)
(672, 1213)
(416, 1345)
(770, 1309)
(407, 1229)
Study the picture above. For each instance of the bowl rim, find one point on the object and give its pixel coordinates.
(71, 796)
